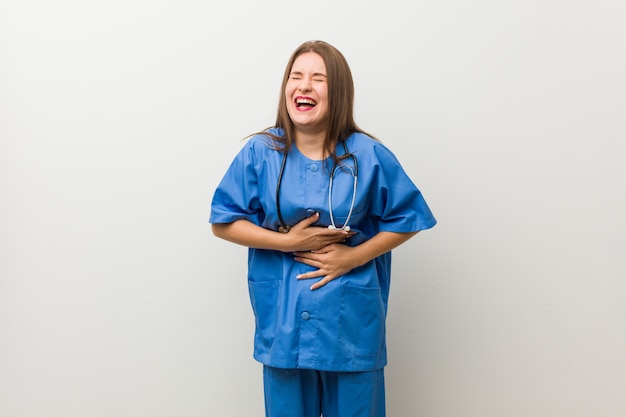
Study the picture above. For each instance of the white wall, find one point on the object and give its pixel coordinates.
(118, 118)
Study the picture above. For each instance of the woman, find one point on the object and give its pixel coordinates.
(320, 204)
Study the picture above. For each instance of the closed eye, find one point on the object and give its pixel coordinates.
(296, 75)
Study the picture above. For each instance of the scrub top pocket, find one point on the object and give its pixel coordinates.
(355, 219)
(361, 321)
(264, 296)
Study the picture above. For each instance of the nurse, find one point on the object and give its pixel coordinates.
(319, 293)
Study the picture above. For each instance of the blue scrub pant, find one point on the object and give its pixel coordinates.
(310, 393)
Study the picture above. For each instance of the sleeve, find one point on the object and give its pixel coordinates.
(237, 195)
(398, 203)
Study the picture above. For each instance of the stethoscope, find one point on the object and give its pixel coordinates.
(284, 228)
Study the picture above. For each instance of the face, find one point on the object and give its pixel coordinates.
(306, 93)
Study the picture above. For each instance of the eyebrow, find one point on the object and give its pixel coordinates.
(315, 74)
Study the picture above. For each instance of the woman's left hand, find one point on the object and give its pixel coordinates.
(331, 261)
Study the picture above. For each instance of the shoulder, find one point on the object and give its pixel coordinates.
(367, 147)
(265, 138)
(261, 145)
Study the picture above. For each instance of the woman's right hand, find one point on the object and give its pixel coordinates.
(303, 236)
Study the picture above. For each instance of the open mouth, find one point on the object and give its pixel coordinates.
(305, 103)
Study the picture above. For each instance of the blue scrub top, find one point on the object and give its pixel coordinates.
(341, 326)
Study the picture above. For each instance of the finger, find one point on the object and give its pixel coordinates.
(308, 221)
(314, 254)
(321, 283)
(310, 275)
(337, 239)
(324, 249)
(308, 261)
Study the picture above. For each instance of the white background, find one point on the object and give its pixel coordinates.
(118, 118)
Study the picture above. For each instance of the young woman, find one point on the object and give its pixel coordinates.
(320, 204)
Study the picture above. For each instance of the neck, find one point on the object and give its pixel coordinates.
(311, 145)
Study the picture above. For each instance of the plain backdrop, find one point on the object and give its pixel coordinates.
(118, 119)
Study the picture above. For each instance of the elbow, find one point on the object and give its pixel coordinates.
(218, 229)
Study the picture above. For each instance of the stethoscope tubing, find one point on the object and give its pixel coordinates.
(284, 228)
(354, 173)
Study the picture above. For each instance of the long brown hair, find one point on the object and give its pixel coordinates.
(340, 122)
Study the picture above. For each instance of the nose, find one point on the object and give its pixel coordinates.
(305, 84)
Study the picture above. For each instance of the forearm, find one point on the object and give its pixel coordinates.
(381, 243)
(302, 235)
(336, 260)
(249, 234)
